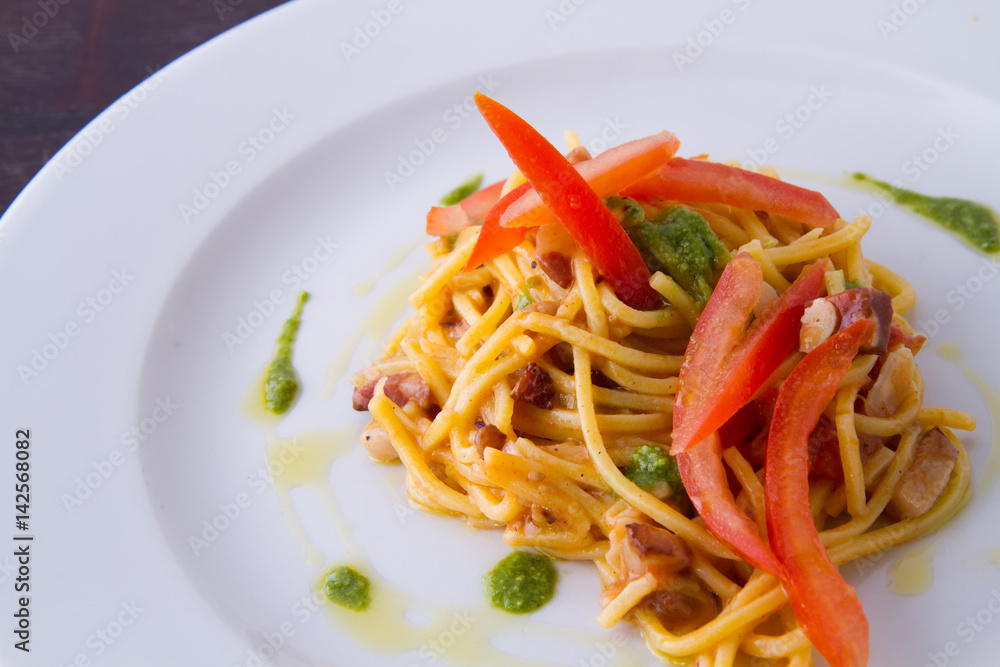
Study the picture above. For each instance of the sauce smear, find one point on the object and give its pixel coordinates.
(977, 224)
(281, 384)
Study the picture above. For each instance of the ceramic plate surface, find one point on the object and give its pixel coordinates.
(149, 267)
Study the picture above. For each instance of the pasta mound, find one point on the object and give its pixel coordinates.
(517, 400)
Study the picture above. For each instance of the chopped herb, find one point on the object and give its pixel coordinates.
(524, 294)
(462, 191)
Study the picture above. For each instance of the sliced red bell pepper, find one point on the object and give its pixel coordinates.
(494, 240)
(749, 422)
(446, 220)
(450, 220)
(705, 481)
(575, 204)
(723, 368)
(607, 173)
(712, 182)
(479, 203)
(827, 608)
(719, 329)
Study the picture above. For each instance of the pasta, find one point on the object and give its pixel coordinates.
(454, 397)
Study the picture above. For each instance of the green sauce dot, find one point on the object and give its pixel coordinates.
(523, 581)
(347, 588)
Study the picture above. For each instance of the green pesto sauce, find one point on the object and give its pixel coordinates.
(654, 470)
(523, 581)
(346, 587)
(680, 243)
(977, 224)
(281, 383)
(651, 465)
(462, 191)
(627, 210)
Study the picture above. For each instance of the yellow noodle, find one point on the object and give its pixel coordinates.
(629, 597)
(902, 293)
(668, 317)
(428, 369)
(809, 250)
(946, 417)
(754, 226)
(597, 321)
(771, 273)
(837, 502)
(725, 228)
(774, 646)
(850, 451)
(748, 480)
(676, 297)
(444, 272)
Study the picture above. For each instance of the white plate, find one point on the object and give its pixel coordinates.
(128, 305)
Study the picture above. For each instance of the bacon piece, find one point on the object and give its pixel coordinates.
(489, 437)
(922, 484)
(554, 249)
(897, 338)
(599, 379)
(866, 302)
(534, 386)
(561, 356)
(684, 604)
(558, 267)
(400, 388)
(454, 328)
(652, 549)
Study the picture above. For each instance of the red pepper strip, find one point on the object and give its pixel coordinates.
(712, 182)
(575, 204)
(446, 220)
(705, 480)
(608, 173)
(450, 220)
(479, 203)
(720, 376)
(494, 239)
(827, 608)
(717, 333)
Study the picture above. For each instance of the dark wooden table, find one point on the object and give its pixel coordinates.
(62, 62)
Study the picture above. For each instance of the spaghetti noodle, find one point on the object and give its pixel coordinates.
(517, 399)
